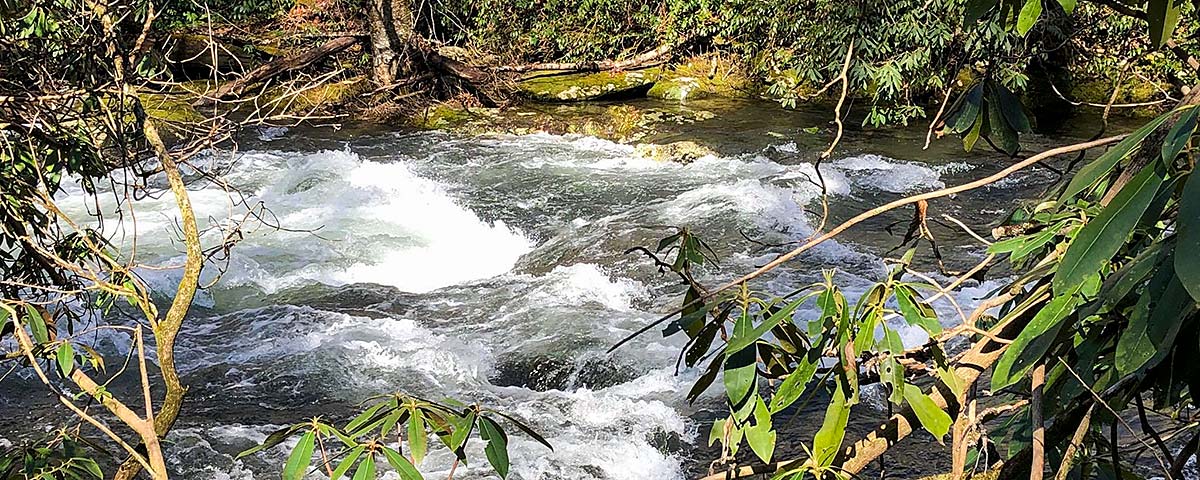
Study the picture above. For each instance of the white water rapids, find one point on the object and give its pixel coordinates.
(489, 269)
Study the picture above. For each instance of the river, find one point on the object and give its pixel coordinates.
(492, 269)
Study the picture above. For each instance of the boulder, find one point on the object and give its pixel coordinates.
(684, 152)
(703, 76)
(578, 87)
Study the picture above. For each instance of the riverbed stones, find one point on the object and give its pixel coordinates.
(684, 152)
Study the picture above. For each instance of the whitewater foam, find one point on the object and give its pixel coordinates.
(880, 173)
(346, 220)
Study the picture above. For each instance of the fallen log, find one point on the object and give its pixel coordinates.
(472, 78)
(597, 66)
(275, 67)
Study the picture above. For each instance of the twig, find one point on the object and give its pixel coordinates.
(1076, 442)
(1038, 382)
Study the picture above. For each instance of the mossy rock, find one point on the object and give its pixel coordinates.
(988, 475)
(705, 76)
(322, 98)
(578, 87)
(684, 152)
(169, 108)
(330, 94)
(677, 88)
(447, 116)
(1098, 91)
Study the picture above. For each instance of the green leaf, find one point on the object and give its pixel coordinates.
(707, 378)
(275, 438)
(916, 312)
(1102, 237)
(526, 429)
(1118, 285)
(1034, 242)
(717, 432)
(416, 437)
(967, 114)
(1068, 5)
(973, 136)
(401, 465)
(90, 466)
(1029, 15)
(761, 436)
(934, 419)
(1154, 324)
(1093, 172)
(462, 428)
(1011, 107)
(1187, 267)
(793, 386)
(1178, 136)
(367, 417)
(998, 126)
(666, 242)
(496, 449)
(37, 324)
(66, 358)
(366, 469)
(744, 337)
(1163, 17)
(1033, 341)
(828, 440)
(347, 462)
(739, 367)
(298, 461)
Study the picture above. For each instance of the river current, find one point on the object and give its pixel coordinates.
(492, 269)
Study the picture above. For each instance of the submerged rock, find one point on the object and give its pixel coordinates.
(575, 87)
(679, 152)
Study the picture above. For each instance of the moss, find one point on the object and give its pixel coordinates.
(1135, 90)
(551, 87)
(679, 152)
(330, 94)
(169, 108)
(703, 76)
(988, 475)
(323, 98)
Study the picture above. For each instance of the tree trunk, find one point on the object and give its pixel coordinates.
(391, 23)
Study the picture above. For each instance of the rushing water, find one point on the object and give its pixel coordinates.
(492, 269)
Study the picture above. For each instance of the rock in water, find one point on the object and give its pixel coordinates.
(684, 152)
(580, 87)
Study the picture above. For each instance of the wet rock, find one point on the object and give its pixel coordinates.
(541, 373)
(676, 88)
(576, 87)
(679, 152)
(703, 76)
(665, 441)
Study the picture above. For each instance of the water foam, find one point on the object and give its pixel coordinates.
(347, 220)
(879, 173)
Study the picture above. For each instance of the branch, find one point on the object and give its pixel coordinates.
(872, 213)
(276, 67)
(167, 329)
